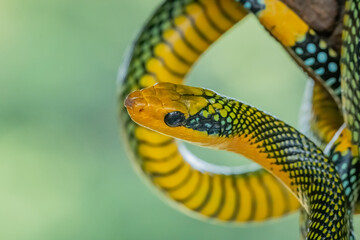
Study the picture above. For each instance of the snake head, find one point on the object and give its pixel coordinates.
(193, 114)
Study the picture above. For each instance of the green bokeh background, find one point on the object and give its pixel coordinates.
(64, 172)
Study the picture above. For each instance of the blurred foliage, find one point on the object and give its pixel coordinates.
(64, 173)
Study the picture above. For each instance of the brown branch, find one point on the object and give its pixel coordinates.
(324, 16)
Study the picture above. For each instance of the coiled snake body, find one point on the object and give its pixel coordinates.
(325, 184)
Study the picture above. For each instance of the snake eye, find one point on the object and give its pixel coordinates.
(174, 119)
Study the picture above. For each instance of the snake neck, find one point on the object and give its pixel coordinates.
(278, 147)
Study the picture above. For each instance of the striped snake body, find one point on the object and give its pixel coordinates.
(298, 172)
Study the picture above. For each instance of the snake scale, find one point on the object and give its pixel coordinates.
(319, 175)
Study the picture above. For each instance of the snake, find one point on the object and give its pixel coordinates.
(295, 171)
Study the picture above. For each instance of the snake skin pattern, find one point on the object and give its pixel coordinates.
(350, 84)
(169, 45)
(243, 129)
(311, 52)
(174, 39)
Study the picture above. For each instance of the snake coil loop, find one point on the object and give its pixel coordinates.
(325, 184)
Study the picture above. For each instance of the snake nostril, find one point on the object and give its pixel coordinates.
(129, 102)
